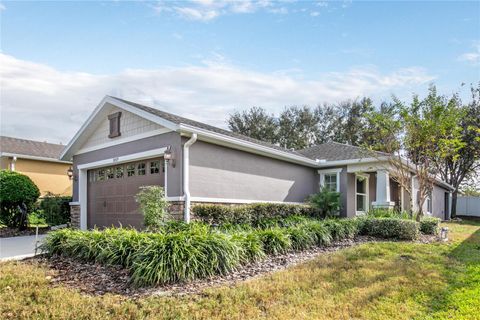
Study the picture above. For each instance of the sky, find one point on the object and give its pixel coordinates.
(205, 59)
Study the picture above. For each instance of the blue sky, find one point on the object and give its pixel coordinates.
(204, 58)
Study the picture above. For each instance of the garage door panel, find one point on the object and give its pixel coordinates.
(112, 190)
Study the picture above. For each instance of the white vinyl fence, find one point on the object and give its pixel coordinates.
(468, 206)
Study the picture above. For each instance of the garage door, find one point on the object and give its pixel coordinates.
(112, 190)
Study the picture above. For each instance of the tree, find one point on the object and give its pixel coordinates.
(462, 161)
(344, 122)
(255, 123)
(298, 128)
(18, 195)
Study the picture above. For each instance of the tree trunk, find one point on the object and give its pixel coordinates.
(453, 210)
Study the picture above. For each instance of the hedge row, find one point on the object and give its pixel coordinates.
(390, 228)
(252, 214)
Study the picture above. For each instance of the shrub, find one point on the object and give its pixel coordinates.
(341, 229)
(182, 256)
(301, 238)
(251, 246)
(153, 205)
(18, 195)
(274, 241)
(36, 219)
(390, 228)
(389, 213)
(249, 214)
(429, 225)
(55, 209)
(326, 202)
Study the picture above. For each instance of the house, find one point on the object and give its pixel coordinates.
(125, 145)
(38, 160)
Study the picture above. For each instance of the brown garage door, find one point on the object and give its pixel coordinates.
(112, 190)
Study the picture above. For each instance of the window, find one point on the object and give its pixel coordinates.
(330, 179)
(141, 169)
(429, 204)
(130, 170)
(114, 120)
(361, 194)
(119, 172)
(154, 167)
(101, 175)
(109, 173)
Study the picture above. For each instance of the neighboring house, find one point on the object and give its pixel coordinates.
(125, 145)
(38, 160)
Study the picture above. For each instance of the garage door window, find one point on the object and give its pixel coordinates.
(119, 172)
(110, 174)
(101, 175)
(141, 169)
(130, 170)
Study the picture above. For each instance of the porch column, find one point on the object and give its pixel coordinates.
(383, 191)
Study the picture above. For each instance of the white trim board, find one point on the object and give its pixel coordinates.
(123, 159)
(28, 157)
(246, 201)
(124, 140)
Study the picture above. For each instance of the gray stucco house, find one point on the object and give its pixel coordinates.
(125, 145)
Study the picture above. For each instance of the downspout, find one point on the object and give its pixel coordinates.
(185, 165)
(12, 164)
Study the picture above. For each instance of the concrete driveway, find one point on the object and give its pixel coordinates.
(18, 247)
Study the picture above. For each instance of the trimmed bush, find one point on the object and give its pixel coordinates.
(55, 209)
(250, 214)
(390, 228)
(18, 195)
(429, 225)
(341, 229)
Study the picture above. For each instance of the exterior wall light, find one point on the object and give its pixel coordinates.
(169, 156)
(70, 173)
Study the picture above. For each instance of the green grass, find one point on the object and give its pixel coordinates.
(386, 280)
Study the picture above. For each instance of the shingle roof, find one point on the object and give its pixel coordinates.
(332, 151)
(30, 147)
(181, 120)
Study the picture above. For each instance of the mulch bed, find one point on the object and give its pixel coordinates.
(97, 279)
(6, 232)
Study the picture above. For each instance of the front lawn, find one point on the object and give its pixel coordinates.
(386, 280)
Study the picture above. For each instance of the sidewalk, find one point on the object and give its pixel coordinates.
(18, 247)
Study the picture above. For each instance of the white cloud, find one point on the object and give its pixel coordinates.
(43, 103)
(2, 7)
(472, 57)
(206, 10)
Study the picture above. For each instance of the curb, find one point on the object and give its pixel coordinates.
(16, 258)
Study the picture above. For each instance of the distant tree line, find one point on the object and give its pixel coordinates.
(438, 133)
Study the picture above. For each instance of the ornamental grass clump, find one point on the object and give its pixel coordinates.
(275, 240)
(183, 256)
(302, 238)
